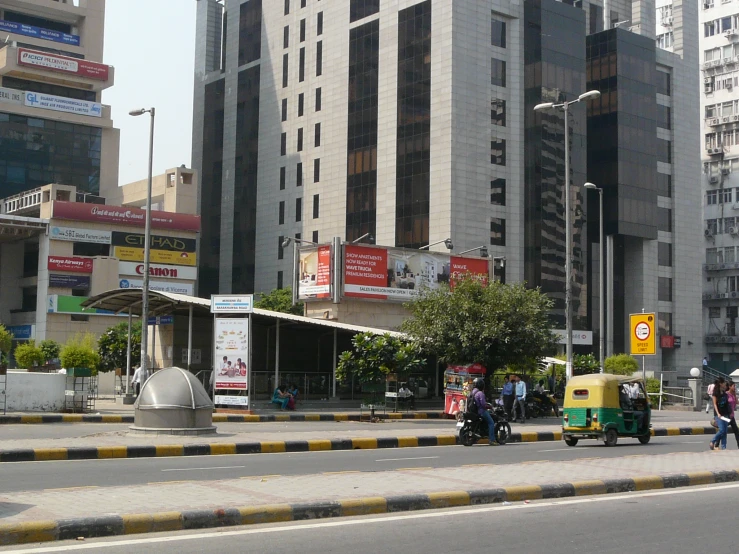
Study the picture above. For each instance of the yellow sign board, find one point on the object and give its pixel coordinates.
(129, 254)
(643, 334)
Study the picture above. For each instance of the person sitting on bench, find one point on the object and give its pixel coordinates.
(281, 397)
(406, 395)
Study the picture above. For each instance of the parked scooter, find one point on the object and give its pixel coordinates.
(472, 428)
(541, 405)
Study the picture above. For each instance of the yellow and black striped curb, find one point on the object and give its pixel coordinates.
(130, 524)
(272, 447)
(218, 418)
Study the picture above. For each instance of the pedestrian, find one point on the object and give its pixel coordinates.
(731, 393)
(705, 362)
(722, 411)
(709, 394)
(520, 400)
(507, 394)
(136, 380)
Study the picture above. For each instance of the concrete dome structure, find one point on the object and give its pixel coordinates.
(173, 401)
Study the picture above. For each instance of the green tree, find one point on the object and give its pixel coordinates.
(496, 325)
(28, 355)
(80, 352)
(50, 349)
(621, 364)
(374, 357)
(280, 300)
(6, 343)
(585, 364)
(113, 344)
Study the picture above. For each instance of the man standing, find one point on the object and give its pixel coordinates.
(520, 400)
(507, 394)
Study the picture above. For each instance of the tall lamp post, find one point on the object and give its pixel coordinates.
(565, 107)
(147, 244)
(601, 280)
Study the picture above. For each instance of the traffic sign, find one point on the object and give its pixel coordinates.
(643, 334)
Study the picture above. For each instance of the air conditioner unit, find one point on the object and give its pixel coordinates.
(725, 170)
(729, 85)
(733, 295)
(715, 150)
(667, 21)
(735, 117)
(725, 119)
(729, 32)
(728, 60)
(708, 233)
(715, 121)
(713, 179)
(707, 80)
(734, 230)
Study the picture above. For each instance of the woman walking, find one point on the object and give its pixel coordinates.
(732, 405)
(722, 412)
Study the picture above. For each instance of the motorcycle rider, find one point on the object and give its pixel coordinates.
(478, 400)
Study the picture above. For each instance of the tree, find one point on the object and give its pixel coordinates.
(585, 364)
(496, 325)
(374, 357)
(80, 352)
(6, 343)
(280, 300)
(50, 349)
(113, 344)
(621, 364)
(28, 355)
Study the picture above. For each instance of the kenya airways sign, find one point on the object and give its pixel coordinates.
(159, 270)
(74, 265)
(79, 211)
(63, 64)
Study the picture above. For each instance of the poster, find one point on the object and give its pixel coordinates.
(130, 254)
(314, 277)
(232, 353)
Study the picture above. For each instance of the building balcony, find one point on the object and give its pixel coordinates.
(720, 267)
(721, 339)
(720, 295)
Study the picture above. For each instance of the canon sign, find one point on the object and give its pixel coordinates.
(157, 271)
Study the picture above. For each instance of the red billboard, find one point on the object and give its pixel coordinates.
(365, 272)
(71, 264)
(476, 268)
(314, 279)
(63, 64)
(100, 213)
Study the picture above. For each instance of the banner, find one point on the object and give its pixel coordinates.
(62, 104)
(69, 281)
(159, 286)
(156, 242)
(315, 273)
(22, 332)
(399, 275)
(223, 304)
(63, 64)
(232, 353)
(38, 32)
(125, 253)
(65, 304)
(67, 263)
(11, 96)
(80, 235)
(80, 211)
(159, 270)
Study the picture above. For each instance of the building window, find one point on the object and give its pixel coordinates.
(498, 32)
(286, 37)
(316, 170)
(664, 117)
(280, 278)
(90, 249)
(287, 7)
(664, 151)
(359, 9)
(48, 88)
(497, 192)
(596, 19)
(316, 206)
(663, 83)
(317, 140)
(298, 209)
(498, 72)
(284, 109)
(497, 231)
(283, 144)
(319, 24)
(319, 58)
(301, 66)
(318, 99)
(712, 226)
(283, 178)
(250, 31)
(664, 219)
(285, 70)
(300, 139)
(302, 3)
(714, 312)
(729, 255)
(714, 256)
(302, 30)
(301, 104)
(664, 289)
(665, 40)
(299, 179)
(281, 213)
(280, 250)
(711, 197)
(664, 185)
(497, 112)
(497, 151)
(664, 323)
(664, 254)
(315, 237)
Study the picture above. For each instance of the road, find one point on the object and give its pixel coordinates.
(31, 476)
(696, 519)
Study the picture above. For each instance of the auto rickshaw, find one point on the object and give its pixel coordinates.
(605, 407)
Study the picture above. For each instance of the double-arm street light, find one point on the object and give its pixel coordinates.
(147, 241)
(447, 242)
(483, 251)
(601, 279)
(565, 107)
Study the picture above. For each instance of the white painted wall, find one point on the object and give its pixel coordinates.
(35, 392)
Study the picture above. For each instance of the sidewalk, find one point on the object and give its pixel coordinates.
(66, 513)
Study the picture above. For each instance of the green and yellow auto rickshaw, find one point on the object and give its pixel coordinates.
(605, 407)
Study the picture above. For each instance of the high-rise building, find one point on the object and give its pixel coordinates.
(413, 120)
(53, 128)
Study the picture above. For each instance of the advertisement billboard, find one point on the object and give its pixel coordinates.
(68, 263)
(62, 104)
(159, 270)
(314, 277)
(159, 286)
(11, 96)
(39, 32)
(65, 304)
(170, 257)
(156, 242)
(63, 64)
(232, 353)
(399, 275)
(79, 235)
(69, 281)
(80, 211)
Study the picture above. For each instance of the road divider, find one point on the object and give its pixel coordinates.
(229, 516)
(272, 447)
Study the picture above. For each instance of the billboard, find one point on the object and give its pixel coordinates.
(170, 257)
(68, 263)
(156, 242)
(232, 353)
(314, 277)
(64, 304)
(39, 32)
(399, 275)
(63, 64)
(159, 286)
(79, 235)
(158, 270)
(62, 104)
(69, 281)
(80, 211)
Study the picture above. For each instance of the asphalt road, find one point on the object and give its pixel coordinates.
(697, 519)
(24, 476)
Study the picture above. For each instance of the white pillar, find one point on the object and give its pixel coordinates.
(336, 338)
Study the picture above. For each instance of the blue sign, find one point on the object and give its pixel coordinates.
(162, 320)
(22, 332)
(69, 281)
(38, 32)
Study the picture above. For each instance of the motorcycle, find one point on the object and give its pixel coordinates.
(540, 405)
(472, 427)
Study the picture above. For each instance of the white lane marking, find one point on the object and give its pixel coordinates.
(341, 522)
(201, 468)
(568, 449)
(692, 442)
(401, 459)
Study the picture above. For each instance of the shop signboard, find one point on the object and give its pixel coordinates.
(11, 96)
(232, 353)
(227, 304)
(159, 270)
(578, 337)
(39, 32)
(59, 280)
(63, 104)
(159, 286)
(63, 64)
(69, 263)
(156, 242)
(122, 215)
(162, 320)
(128, 254)
(22, 332)
(79, 235)
(397, 274)
(64, 304)
(314, 277)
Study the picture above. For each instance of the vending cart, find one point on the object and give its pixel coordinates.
(458, 381)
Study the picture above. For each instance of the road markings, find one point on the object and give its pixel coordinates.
(449, 512)
(341, 472)
(202, 468)
(401, 459)
(568, 449)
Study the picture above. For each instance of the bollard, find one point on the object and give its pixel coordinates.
(695, 386)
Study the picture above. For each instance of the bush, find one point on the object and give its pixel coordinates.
(80, 351)
(113, 344)
(653, 389)
(621, 364)
(50, 349)
(585, 364)
(6, 344)
(28, 355)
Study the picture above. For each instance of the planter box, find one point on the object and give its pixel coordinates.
(79, 372)
(3, 370)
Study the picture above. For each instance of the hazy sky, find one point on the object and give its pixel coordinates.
(151, 44)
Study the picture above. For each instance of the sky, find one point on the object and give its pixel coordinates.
(151, 44)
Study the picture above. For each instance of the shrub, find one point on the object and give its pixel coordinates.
(113, 344)
(6, 343)
(80, 351)
(28, 355)
(653, 389)
(621, 364)
(50, 349)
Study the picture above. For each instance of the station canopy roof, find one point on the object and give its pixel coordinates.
(168, 303)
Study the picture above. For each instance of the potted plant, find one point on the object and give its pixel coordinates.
(79, 356)
(51, 350)
(29, 356)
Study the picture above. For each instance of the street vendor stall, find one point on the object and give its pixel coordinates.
(458, 381)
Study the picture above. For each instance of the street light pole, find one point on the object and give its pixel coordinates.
(601, 281)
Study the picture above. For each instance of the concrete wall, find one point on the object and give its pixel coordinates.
(35, 392)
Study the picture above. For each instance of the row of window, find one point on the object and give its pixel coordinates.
(301, 66)
(723, 196)
(299, 174)
(286, 30)
(665, 40)
(721, 255)
(719, 140)
(721, 225)
(720, 52)
(316, 139)
(723, 109)
(720, 25)
(303, 3)
(726, 284)
(298, 209)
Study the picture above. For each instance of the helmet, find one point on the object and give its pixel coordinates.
(479, 383)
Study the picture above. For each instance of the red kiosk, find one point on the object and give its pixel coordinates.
(458, 381)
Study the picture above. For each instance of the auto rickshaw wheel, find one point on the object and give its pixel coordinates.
(611, 437)
(645, 439)
(570, 441)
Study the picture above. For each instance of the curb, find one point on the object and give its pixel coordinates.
(130, 524)
(273, 447)
(217, 418)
